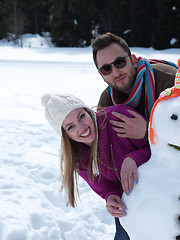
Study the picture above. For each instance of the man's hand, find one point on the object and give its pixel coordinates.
(130, 127)
(128, 174)
(115, 206)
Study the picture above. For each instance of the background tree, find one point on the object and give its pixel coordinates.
(163, 27)
(139, 24)
(73, 23)
(175, 16)
(3, 22)
(110, 16)
(63, 25)
(37, 14)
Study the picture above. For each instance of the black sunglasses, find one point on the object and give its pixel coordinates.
(119, 63)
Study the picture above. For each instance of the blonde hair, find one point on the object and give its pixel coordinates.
(70, 161)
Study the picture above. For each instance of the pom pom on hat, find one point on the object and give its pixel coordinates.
(58, 106)
(45, 98)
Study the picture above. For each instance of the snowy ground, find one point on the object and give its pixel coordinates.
(31, 206)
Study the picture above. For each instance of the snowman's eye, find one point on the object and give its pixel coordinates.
(174, 117)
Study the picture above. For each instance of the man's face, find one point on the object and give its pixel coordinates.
(120, 79)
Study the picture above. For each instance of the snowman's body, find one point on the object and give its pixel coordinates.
(154, 206)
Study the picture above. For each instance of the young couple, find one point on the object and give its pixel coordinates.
(106, 147)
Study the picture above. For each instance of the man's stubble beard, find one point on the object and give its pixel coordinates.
(127, 88)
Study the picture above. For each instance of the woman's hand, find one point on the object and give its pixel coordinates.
(115, 206)
(128, 174)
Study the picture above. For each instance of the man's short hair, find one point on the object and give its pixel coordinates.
(104, 40)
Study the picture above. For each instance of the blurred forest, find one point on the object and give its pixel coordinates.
(75, 23)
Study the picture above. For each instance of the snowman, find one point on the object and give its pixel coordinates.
(154, 205)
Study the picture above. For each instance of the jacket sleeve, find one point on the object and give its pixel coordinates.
(102, 186)
(143, 152)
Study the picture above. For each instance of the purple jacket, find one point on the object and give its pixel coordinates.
(113, 150)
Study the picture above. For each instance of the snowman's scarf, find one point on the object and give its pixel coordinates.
(144, 72)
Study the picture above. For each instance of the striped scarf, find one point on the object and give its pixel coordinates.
(144, 72)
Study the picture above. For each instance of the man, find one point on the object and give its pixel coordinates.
(132, 81)
(136, 82)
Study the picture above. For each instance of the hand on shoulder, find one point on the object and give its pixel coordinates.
(135, 127)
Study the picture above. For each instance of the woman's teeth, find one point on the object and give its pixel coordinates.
(85, 134)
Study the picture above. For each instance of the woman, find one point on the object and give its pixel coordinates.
(91, 148)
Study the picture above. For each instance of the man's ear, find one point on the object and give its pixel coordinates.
(134, 60)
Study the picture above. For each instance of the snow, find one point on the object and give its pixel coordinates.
(31, 204)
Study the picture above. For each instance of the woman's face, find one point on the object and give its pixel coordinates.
(79, 126)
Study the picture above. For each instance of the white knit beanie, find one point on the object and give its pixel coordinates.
(58, 106)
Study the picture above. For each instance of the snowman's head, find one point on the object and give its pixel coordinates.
(164, 127)
(165, 124)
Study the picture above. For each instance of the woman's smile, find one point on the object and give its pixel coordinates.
(79, 126)
(86, 133)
